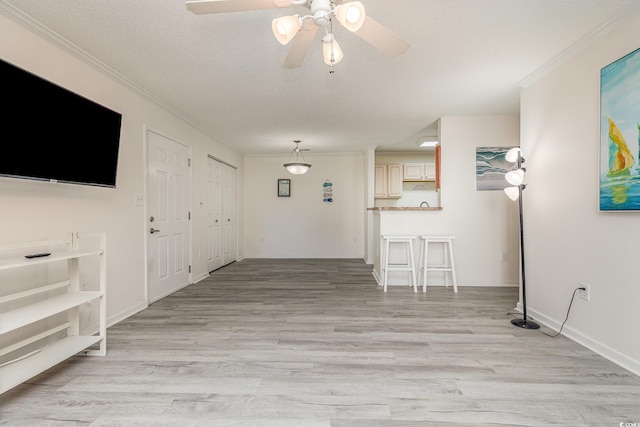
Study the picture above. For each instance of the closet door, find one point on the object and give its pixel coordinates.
(214, 215)
(229, 214)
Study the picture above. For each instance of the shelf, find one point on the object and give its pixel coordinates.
(20, 317)
(17, 372)
(28, 315)
(8, 263)
(34, 291)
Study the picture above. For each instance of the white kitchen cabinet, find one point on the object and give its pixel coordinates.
(388, 181)
(419, 172)
(40, 325)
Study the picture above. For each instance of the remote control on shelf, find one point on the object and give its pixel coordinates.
(38, 255)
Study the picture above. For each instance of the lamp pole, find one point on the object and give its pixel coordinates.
(524, 323)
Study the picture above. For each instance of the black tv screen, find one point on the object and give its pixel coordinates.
(52, 134)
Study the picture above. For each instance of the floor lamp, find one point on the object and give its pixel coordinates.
(516, 179)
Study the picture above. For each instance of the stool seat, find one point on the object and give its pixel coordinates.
(407, 266)
(448, 265)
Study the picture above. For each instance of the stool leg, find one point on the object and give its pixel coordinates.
(453, 267)
(445, 249)
(420, 262)
(412, 266)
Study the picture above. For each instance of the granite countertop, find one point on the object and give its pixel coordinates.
(393, 208)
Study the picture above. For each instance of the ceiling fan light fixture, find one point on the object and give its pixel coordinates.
(285, 28)
(351, 15)
(331, 50)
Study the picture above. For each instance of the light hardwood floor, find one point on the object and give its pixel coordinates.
(317, 343)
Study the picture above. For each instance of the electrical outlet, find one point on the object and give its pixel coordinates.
(586, 293)
(505, 257)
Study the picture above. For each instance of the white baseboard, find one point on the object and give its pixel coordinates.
(593, 345)
(200, 278)
(126, 313)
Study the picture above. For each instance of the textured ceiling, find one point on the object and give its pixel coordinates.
(224, 72)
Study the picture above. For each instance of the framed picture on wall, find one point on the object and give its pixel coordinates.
(620, 134)
(284, 188)
(491, 166)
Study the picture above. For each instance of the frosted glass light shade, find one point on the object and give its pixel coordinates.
(513, 193)
(515, 177)
(331, 50)
(512, 155)
(285, 28)
(297, 168)
(351, 15)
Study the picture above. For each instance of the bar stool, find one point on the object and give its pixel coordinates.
(408, 266)
(448, 260)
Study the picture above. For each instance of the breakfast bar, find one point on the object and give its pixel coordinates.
(405, 221)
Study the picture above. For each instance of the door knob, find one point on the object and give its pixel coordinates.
(153, 230)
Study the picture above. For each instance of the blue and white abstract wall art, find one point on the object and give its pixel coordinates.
(491, 167)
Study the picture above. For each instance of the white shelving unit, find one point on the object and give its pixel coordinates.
(18, 311)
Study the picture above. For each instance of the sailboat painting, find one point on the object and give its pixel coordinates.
(620, 134)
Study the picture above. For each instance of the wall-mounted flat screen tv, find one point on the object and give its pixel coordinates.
(52, 134)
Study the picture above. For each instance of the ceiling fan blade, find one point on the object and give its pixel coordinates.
(300, 46)
(382, 38)
(204, 7)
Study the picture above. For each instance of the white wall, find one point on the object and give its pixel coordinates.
(485, 222)
(303, 226)
(568, 241)
(33, 210)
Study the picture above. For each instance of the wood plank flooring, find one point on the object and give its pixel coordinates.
(317, 343)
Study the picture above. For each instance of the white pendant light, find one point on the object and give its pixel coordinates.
(297, 167)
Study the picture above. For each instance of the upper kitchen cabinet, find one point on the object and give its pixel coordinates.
(407, 178)
(388, 181)
(419, 172)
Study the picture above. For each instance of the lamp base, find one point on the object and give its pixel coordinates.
(525, 324)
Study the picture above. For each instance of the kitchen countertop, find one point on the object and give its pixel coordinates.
(394, 208)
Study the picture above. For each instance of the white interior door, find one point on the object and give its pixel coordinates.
(214, 214)
(168, 241)
(229, 211)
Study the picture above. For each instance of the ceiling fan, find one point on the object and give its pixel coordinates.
(302, 29)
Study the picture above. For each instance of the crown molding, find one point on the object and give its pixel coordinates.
(588, 40)
(35, 26)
